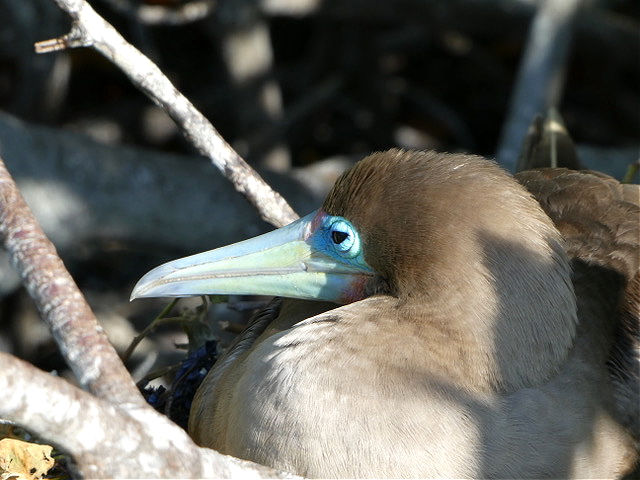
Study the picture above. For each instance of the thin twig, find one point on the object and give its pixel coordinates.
(541, 75)
(73, 39)
(95, 31)
(159, 320)
(73, 325)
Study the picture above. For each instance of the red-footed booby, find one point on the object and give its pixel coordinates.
(479, 332)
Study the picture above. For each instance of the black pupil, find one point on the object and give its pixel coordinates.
(339, 237)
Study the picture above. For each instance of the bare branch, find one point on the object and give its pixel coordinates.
(95, 31)
(73, 39)
(105, 440)
(81, 340)
(541, 76)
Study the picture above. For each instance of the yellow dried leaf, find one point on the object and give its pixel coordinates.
(23, 460)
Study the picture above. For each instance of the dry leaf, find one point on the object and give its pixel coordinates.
(23, 460)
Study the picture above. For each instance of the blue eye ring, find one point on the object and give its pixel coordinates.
(344, 238)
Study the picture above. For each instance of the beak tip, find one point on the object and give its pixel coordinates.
(148, 285)
(136, 292)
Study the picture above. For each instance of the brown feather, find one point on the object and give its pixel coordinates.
(600, 221)
(473, 358)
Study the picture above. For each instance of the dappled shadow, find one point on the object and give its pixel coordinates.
(558, 422)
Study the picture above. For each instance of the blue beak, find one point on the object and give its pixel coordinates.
(288, 262)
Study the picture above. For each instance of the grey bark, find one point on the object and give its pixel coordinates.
(81, 339)
(106, 440)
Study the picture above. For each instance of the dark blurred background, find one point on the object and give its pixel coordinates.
(301, 88)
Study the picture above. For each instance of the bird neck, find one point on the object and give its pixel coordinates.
(501, 319)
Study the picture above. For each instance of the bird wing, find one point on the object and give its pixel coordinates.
(201, 403)
(600, 220)
(217, 386)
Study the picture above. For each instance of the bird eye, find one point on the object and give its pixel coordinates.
(339, 237)
(344, 237)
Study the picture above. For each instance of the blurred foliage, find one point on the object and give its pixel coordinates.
(426, 74)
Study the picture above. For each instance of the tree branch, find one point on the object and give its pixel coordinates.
(105, 440)
(89, 28)
(541, 76)
(75, 329)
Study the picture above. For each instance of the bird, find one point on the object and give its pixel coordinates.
(436, 317)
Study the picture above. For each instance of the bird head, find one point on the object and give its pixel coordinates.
(405, 224)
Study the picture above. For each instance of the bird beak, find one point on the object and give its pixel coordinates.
(283, 262)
